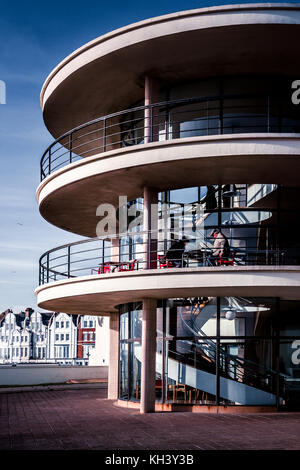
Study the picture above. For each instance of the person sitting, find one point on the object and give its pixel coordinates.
(176, 251)
(221, 246)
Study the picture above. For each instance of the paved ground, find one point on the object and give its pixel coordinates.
(85, 419)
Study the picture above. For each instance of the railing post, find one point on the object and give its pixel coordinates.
(104, 136)
(69, 260)
(167, 123)
(49, 161)
(47, 267)
(70, 145)
(218, 353)
(268, 114)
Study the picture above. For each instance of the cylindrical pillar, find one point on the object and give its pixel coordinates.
(113, 370)
(148, 356)
(152, 95)
(150, 216)
(115, 249)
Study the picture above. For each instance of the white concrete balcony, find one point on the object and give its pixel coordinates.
(163, 165)
(225, 40)
(97, 275)
(100, 294)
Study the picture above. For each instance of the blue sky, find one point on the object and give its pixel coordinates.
(34, 37)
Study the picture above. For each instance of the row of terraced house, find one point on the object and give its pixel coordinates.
(56, 337)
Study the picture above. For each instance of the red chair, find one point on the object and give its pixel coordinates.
(226, 260)
(163, 262)
(128, 266)
(104, 268)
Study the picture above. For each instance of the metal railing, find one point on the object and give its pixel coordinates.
(139, 251)
(231, 366)
(199, 116)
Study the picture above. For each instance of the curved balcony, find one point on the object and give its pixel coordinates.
(99, 274)
(169, 120)
(167, 146)
(234, 39)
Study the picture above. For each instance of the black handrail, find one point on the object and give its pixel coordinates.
(209, 348)
(83, 257)
(68, 139)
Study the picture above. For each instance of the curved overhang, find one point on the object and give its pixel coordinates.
(69, 197)
(101, 294)
(226, 40)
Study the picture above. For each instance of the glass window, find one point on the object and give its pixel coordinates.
(289, 324)
(184, 196)
(191, 371)
(136, 323)
(124, 334)
(193, 316)
(247, 366)
(236, 336)
(124, 392)
(135, 365)
(241, 316)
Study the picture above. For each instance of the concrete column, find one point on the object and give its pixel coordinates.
(150, 221)
(152, 95)
(113, 370)
(115, 250)
(148, 356)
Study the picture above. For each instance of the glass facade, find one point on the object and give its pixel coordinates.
(222, 105)
(217, 351)
(255, 220)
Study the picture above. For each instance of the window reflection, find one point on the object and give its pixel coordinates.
(250, 347)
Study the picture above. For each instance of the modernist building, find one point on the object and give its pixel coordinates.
(185, 125)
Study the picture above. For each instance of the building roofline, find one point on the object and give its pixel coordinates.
(162, 19)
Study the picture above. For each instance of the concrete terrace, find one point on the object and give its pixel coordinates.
(83, 418)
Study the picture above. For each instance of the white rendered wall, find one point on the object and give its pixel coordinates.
(100, 354)
(35, 375)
